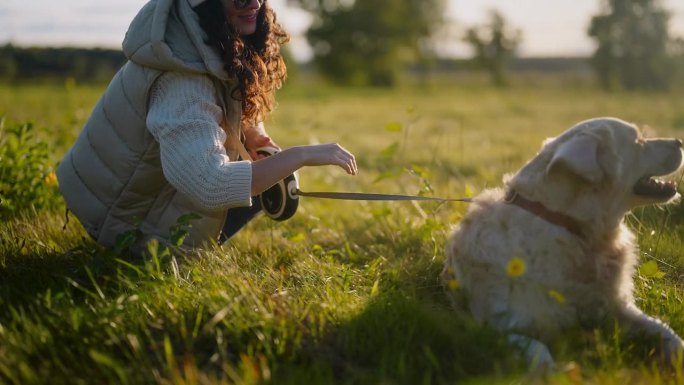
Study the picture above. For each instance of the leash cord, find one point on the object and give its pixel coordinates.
(375, 197)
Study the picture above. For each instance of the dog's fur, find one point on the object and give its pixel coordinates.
(593, 173)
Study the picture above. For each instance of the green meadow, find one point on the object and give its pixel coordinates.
(344, 292)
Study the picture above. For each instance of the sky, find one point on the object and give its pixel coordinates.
(549, 27)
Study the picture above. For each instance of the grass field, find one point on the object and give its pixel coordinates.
(344, 292)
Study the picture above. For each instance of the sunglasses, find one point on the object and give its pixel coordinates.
(240, 4)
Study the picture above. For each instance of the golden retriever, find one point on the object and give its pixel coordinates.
(551, 250)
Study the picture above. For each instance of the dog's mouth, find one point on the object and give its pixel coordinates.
(650, 187)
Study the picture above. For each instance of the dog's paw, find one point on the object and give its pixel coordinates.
(539, 358)
(536, 354)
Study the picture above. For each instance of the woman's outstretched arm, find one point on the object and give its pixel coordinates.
(268, 171)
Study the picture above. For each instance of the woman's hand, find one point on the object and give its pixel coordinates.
(255, 137)
(329, 154)
(256, 142)
(268, 171)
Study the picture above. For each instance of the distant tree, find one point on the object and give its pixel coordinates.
(633, 40)
(494, 45)
(291, 63)
(367, 42)
(8, 65)
(676, 50)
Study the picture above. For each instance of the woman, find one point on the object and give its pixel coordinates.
(166, 137)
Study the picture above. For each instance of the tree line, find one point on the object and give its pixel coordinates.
(366, 42)
(81, 64)
(373, 42)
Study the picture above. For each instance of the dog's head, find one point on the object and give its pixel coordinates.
(602, 163)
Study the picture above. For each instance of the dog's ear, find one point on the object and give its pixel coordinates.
(578, 155)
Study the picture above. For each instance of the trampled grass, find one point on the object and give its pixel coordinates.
(344, 292)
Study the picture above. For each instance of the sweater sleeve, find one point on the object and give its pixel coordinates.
(184, 117)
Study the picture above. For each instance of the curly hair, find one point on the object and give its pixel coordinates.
(254, 60)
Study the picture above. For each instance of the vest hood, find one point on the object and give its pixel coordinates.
(166, 35)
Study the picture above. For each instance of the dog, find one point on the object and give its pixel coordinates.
(551, 251)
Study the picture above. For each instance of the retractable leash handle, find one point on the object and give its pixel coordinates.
(280, 201)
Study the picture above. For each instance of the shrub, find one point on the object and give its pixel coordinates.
(27, 179)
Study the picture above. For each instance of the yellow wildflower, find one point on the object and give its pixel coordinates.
(50, 179)
(516, 267)
(453, 284)
(560, 298)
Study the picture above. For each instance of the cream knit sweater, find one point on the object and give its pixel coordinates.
(184, 117)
